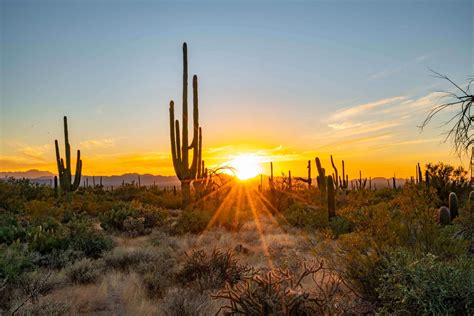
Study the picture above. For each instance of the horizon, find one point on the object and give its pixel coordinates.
(283, 92)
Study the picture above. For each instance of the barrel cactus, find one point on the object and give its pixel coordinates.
(444, 216)
(453, 205)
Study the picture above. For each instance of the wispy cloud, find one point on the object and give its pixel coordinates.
(98, 143)
(362, 108)
(400, 67)
(36, 152)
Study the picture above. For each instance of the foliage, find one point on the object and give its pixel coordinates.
(445, 178)
(306, 216)
(426, 285)
(192, 221)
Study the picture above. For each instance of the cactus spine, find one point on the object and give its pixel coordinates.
(64, 171)
(453, 205)
(180, 145)
(444, 216)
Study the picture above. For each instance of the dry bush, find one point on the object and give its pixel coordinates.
(212, 271)
(186, 302)
(85, 271)
(282, 292)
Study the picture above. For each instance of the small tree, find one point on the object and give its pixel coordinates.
(460, 130)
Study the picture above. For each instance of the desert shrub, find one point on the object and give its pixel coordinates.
(15, 192)
(212, 270)
(426, 286)
(15, 260)
(46, 307)
(47, 236)
(360, 260)
(192, 221)
(85, 271)
(307, 217)
(340, 225)
(280, 292)
(113, 219)
(11, 228)
(185, 302)
(133, 218)
(124, 260)
(90, 241)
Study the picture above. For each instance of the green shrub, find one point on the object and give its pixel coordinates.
(307, 217)
(112, 220)
(15, 259)
(192, 221)
(340, 225)
(85, 238)
(426, 286)
(10, 228)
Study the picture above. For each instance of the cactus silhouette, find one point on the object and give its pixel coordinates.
(453, 205)
(322, 181)
(336, 175)
(64, 171)
(331, 198)
(180, 145)
(444, 216)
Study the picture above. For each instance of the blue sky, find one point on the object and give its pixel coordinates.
(272, 74)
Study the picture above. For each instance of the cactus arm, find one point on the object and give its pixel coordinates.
(336, 175)
(184, 148)
(173, 137)
(200, 162)
(179, 161)
(77, 176)
(196, 144)
(68, 151)
(58, 158)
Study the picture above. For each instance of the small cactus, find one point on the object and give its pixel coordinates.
(444, 216)
(453, 205)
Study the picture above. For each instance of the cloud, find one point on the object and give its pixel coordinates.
(362, 108)
(36, 152)
(401, 67)
(98, 143)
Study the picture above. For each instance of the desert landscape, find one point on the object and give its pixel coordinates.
(318, 229)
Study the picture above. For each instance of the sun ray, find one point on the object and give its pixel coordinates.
(259, 228)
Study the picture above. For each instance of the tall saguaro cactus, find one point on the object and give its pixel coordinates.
(180, 145)
(64, 171)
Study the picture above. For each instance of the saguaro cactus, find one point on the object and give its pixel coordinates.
(64, 171)
(331, 198)
(322, 181)
(180, 145)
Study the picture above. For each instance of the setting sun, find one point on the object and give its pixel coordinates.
(245, 166)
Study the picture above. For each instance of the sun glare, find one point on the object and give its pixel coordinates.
(245, 166)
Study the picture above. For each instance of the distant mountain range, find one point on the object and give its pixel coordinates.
(46, 177)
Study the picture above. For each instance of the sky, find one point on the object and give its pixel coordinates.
(285, 81)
